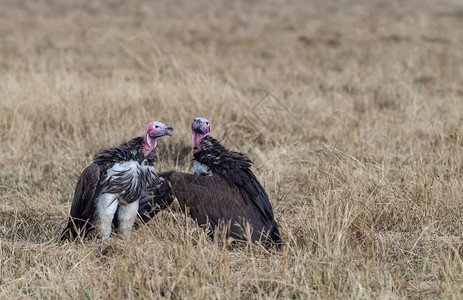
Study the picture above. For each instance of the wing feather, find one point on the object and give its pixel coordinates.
(211, 201)
(155, 199)
(234, 168)
(83, 204)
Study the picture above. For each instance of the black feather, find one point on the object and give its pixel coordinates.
(235, 168)
(93, 182)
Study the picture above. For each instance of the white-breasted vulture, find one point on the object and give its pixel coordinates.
(222, 191)
(115, 181)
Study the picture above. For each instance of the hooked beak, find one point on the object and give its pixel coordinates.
(196, 126)
(169, 131)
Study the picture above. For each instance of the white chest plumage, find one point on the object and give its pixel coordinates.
(124, 171)
(128, 181)
(200, 169)
(128, 174)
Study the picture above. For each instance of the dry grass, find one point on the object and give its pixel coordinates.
(363, 165)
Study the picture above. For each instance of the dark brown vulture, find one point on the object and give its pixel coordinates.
(116, 180)
(222, 191)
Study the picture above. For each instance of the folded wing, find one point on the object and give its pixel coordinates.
(212, 201)
(83, 205)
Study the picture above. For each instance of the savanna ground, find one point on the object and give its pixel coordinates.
(351, 111)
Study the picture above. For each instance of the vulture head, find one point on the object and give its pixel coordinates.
(153, 131)
(199, 129)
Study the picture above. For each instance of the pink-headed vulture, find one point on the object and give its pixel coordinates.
(110, 188)
(222, 191)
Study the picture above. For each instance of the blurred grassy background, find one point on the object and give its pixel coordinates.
(362, 161)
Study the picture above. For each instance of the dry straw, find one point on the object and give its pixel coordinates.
(363, 166)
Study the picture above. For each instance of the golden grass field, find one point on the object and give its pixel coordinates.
(358, 143)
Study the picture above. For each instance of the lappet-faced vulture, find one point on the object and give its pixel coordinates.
(115, 181)
(222, 191)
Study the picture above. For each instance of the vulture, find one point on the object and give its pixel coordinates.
(223, 191)
(113, 185)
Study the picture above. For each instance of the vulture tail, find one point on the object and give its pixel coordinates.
(275, 237)
(76, 229)
(66, 234)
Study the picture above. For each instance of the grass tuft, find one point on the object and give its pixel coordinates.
(352, 113)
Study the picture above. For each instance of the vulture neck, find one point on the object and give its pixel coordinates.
(197, 138)
(148, 145)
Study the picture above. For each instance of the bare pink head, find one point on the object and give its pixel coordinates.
(199, 129)
(153, 131)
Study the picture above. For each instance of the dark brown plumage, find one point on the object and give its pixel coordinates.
(224, 191)
(112, 186)
(93, 182)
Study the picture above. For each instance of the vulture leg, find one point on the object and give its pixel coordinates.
(126, 215)
(106, 208)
